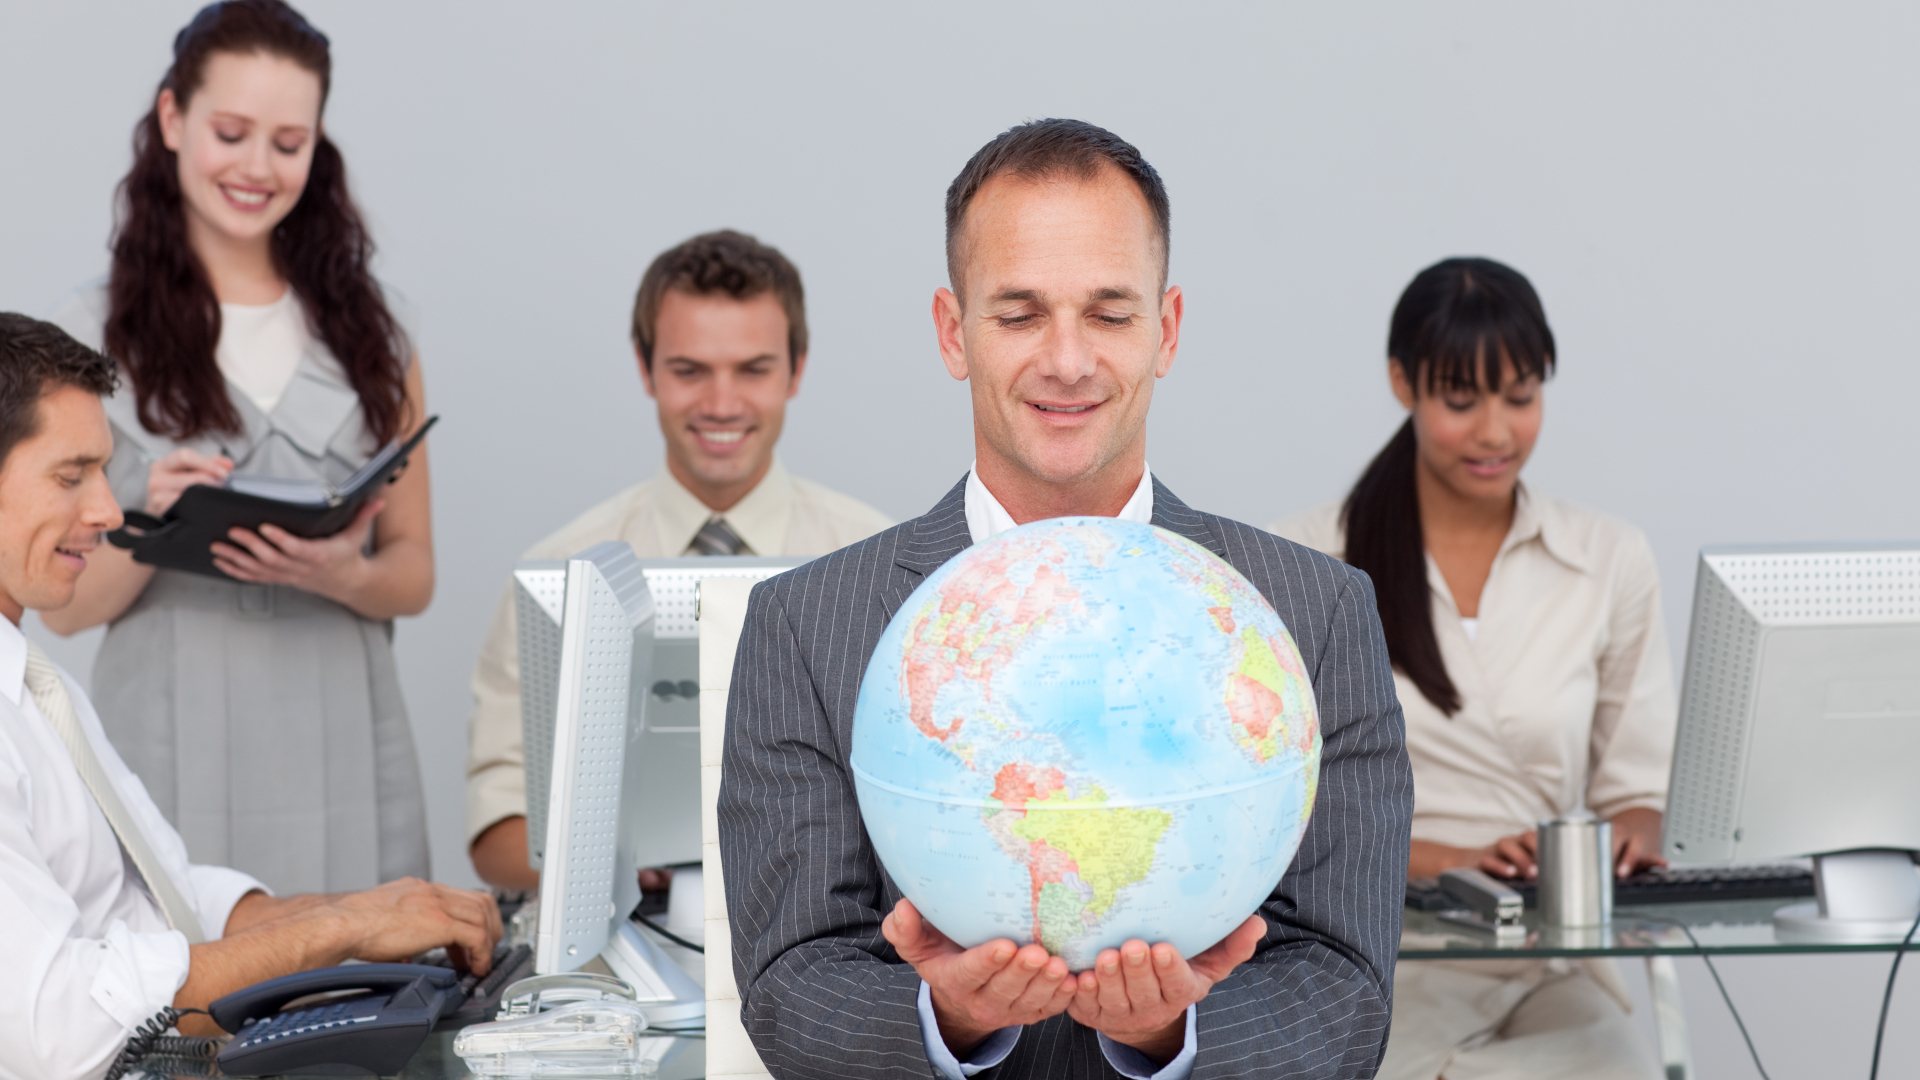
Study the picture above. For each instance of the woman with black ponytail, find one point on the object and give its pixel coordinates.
(1531, 663)
(262, 710)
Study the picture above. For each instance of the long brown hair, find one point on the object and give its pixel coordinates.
(1452, 327)
(163, 319)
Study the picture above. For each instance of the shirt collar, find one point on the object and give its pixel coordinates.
(986, 518)
(760, 519)
(1533, 519)
(13, 661)
(1539, 518)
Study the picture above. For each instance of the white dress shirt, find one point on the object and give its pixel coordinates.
(85, 954)
(986, 519)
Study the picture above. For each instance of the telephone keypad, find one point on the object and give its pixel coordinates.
(289, 1024)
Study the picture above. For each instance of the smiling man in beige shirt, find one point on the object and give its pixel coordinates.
(720, 330)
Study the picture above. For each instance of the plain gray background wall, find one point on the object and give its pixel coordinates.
(1717, 205)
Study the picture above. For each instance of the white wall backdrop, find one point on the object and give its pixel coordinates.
(1717, 203)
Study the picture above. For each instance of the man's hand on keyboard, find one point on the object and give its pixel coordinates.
(396, 920)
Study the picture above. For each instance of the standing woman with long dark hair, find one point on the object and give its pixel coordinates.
(262, 711)
(1531, 662)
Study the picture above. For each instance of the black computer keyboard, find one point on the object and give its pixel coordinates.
(510, 965)
(1662, 886)
(1671, 885)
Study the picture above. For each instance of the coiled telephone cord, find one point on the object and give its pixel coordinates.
(150, 1040)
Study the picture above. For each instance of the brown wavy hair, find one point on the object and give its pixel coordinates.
(163, 319)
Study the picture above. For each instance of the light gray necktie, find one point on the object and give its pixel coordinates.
(50, 694)
(716, 537)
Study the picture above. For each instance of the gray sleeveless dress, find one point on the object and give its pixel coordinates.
(265, 721)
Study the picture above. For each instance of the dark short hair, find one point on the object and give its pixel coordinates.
(1040, 149)
(1459, 318)
(724, 262)
(35, 359)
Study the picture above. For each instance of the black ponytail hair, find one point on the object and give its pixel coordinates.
(1453, 326)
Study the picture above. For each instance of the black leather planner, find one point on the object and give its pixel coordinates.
(183, 538)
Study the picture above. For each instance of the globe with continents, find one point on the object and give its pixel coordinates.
(1083, 731)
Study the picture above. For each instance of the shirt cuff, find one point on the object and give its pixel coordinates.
(1135, 1065)
(138, 973)
(989, 1053)
(494, 794)
(216, 889)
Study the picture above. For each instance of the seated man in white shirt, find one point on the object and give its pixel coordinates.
(720, 330)
(103, 923)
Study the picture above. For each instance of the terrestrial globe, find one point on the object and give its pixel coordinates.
(1082, 731)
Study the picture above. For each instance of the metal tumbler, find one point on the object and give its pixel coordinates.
(1576, 872)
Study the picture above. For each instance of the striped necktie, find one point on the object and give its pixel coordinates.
(50, 694)
(716, 537)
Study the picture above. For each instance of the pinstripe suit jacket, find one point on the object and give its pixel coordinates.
(823, 994)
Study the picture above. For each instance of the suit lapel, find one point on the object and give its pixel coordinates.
(931, 539)
(1182, 520)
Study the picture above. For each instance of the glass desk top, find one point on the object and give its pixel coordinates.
(1726, 927)
(1723, 928)
(684, 1059)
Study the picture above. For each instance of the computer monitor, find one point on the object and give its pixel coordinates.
(1800, 726)
(539, 596)
(623, 738)
(588, 880)
(670, 775)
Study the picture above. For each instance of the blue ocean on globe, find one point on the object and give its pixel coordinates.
(1082, 731)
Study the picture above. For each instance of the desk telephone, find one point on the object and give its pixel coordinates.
(353, 1019)
(375, 1030)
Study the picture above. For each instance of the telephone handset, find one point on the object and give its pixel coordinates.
(338, 1032)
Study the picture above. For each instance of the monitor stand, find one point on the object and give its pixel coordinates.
(672, 1001)
(671, 998)
(672, 995)
(1864, 896)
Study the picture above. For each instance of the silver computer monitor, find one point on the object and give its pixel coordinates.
(539, 596)
(588, 880)
(669, 778)
(623, 789)
(1800, 726)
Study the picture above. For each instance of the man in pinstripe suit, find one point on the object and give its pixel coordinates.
(1061, 320)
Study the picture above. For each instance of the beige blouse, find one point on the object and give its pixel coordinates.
(1566, 684)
